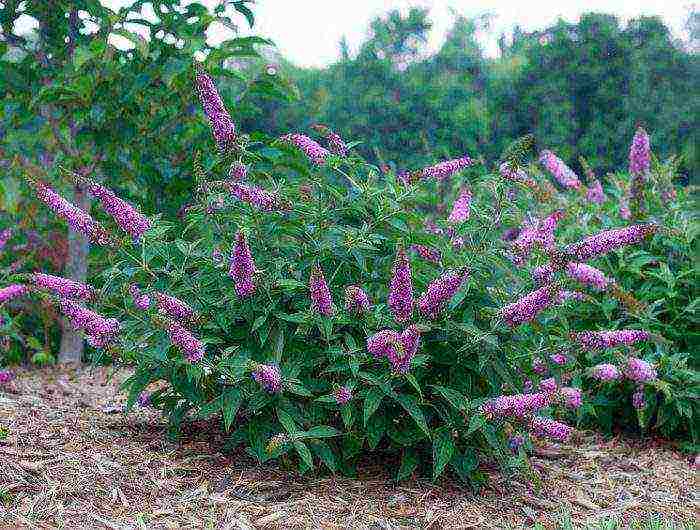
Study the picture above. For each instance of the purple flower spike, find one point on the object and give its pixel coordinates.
(428, 254)
(12, 291)
(439, 292)
(100, 331)
(222, 126)
(257, 197)
(508, 173)
(517, 405)
(460, 209)
(174, 307)
(128, 218)
(6, 376)
(446, 169)
(599, 340)
(640, 154)
(242, 267)
(639, 371)
(238, 172)
(63, 287)
(559, 170)
(543, 275)
(268, 376)
(356, 300)
(587, 275)
(343, 395)
(546, 428)
(190, 346)
(571, 396)
(609, 240)
(141, 300)
(595, 193)
(528, 307)
(605, 372)
(321, 301)
(398, 348)
(401, 288)
(5, 236)
(548, 385)
(638, 399)
(310, 148)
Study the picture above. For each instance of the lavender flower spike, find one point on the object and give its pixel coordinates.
(321, 301)
(518, 405)
(460, 209)
(5, 236)
(605, 372)
(242, 267)
(639, 371)
(128, 218)
(191, 347)
(141, 300)
(356, 300)
(12, 291)
(640, 154)
(609, 240)
(559, 170)
(268, 376)
(599, 340)
(446, 169)
(311, 149)
(174, 307)
(546, 428)
(222, 125)
(439, 293)
(528, 307)
(99, 330)
(257, 197)
(63, 287)
(428, 254)
(401, 288)
(595, 193)
(587, 275)
(343, 395)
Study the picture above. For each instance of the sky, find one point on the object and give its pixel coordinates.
(307, 32)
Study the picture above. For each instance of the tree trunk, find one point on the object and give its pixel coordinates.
(72, 344)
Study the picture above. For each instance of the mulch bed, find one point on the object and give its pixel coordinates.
(72, 459)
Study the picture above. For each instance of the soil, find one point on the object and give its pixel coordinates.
(71, 458)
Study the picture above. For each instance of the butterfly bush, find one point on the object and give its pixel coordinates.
(128, 218)
(62, 287)
(563, 174)
(595, 192)
(447, 376)
(605, 372)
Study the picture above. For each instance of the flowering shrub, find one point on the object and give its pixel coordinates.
(353, 312)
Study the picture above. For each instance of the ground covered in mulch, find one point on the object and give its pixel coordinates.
(70, 458)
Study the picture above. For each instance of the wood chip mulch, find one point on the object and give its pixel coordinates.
(70, 458)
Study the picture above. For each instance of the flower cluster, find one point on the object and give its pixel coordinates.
(638, 399)
(128, 218)
(428, 254)
(535, 233)
(640, 154)
(446, 169)
(174, 307)
(571, 396)
(559, 170)
(77, 220)
(605, 372)
(222, 125)
(565, 296)
(268, 376)
(237, 172)
(321, 301)
(460, 209)
(401, 288)
(548, 428)
(242, 267)
(6, 376)
(595, 192)
(639, 371)
(507, 171)
(439, 292)
(528, 307)
(517, 405)
(543, 274)
(190, 346)
(587, 275)
(5, 236)
(257, 197)
(343, 395)
(141, 300)
(311, 149)
(599, 340)
(100, 331)
(356, 300)
(63, 287)
(12, 291)
(398, 348)
(548, 385)
(609, 240)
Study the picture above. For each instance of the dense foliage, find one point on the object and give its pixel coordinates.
(324, 309)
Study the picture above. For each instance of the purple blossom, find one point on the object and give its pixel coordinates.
(439, 292)
(536, 233)
(598, 340)
(565, 296)
(6, 376)
(639, 371)
(605, 372)
(100, 331)
(77, 220)
(539, 366)
(222, 125)
(144, 399)
(640, 154)
(510, 234)
(446, 169)
(141, 300)
(356, 300)
(457, 242)
(516, 442)
(242, 267)
(547, 428)
(587, 275)
(268, 376)
(559, 170)
(401, 288)
(5, 236)
(12, 291)
(638, 399)
(321, 301)
(335, 142)
(559, 358)
(343, 395)
(548, 385)
(128, 218)
(190, 346)
(257, 197)
(609, 240)
(398, 348)
(427, 253)
(518, 405)
(63, 287)
(432, 228)
(237, 172)
(311, 149)
(543, 274)
(527, 308)
(174, 307)
(571, 396)
(595, 192)
(460, 209)
(508, 172)
(625, 212)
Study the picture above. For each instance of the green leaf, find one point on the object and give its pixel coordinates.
(325, 453)
(287, 421)
(464, 464)
(443, 449)
(376, 427)
(410, 405)
(231, 403)
(348, 417)
(454, 398)
(409, 462)
(304, 453)
(476, 422)
(372, 400)
(322, 431)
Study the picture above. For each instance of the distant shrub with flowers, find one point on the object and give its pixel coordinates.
(323, 310)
